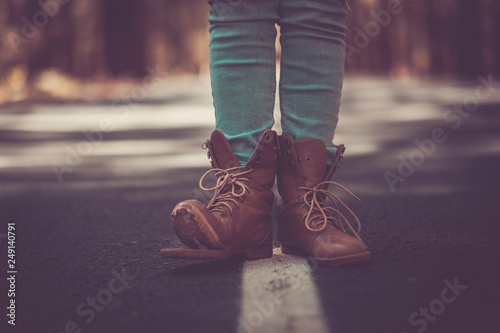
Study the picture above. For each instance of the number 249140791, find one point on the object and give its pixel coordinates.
(11, 241)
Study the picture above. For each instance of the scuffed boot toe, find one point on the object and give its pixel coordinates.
(189, 220)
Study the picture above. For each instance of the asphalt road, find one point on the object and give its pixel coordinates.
(91, 209)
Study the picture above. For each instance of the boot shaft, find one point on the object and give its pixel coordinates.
(262, 161)
(303, 163)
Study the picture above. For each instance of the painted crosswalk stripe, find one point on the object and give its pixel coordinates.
(279, 295)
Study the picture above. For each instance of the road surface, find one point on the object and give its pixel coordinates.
(90, 188)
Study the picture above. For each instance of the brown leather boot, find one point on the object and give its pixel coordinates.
(238, 218)
(306, 225)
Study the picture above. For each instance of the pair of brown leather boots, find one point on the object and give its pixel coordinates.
(238, 218)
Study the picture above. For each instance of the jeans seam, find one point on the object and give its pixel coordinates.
(282, 113)
(274, 76)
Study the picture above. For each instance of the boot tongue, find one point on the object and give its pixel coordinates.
(221, 152)
(312, 155)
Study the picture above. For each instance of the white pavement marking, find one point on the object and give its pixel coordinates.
(279, 295)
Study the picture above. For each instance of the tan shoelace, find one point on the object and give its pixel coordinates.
(319, 214)
(230, 187)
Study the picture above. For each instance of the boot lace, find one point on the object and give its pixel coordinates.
(230, 188)
(319, 214)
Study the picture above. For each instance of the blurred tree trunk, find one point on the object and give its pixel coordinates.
(156, 27)
(495, 37)
(87, 39)
(420, 56)
(176, 34)
(400, 41)
(124, 31)
(5, 49)
(437, 33)
(468, 38)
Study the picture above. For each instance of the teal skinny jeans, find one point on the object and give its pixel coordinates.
(243, 68)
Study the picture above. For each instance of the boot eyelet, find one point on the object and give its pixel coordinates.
(267, 138)
(308, 159)
(288, 152)
(297, 188)
(291, 163)
(299, 159)
(204, 145)
(258, 159)
(287, 142)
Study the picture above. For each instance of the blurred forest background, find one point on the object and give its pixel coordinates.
(110, 40)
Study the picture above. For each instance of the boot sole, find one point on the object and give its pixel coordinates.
(332, 262)
(252, 252)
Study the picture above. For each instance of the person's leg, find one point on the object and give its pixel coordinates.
(243, 70)
(312, 68)
(242, 149)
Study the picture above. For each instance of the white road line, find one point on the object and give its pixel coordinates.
(279, 295)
